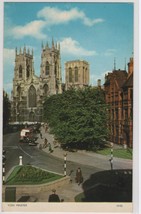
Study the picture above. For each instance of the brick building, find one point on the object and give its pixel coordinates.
(118, 88)
(127, 107)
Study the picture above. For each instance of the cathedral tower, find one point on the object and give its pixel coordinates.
(25, 88)
(30, 91)
(50, 69)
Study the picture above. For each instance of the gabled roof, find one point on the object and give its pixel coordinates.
(129, 82)
(119, 75)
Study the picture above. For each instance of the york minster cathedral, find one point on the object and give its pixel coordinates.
(30, 91)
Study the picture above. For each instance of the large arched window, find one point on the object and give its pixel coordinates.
(45, 88)
(56, 69)
(20, 71)
(32, 96)
(47, 68)
(18, 91)
(86, 75)
(76, 74)
(83, 74)
(28, 71)
(70, 74)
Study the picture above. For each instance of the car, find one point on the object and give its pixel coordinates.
(24, 133)
(32, 143)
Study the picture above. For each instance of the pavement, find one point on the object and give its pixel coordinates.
(69, 191)
(83, 157)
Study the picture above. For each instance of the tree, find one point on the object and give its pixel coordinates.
(78, 118)
(6, 109)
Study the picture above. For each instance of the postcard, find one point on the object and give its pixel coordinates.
(69, 130)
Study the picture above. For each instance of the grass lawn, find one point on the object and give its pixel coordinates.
(23, 175)
(119, 153)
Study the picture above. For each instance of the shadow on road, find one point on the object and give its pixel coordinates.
(107, 186)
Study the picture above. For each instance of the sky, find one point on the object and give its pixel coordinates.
(95, 32)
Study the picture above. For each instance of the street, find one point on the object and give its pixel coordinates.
(32, 155)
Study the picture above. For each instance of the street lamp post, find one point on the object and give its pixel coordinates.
(111, 158)
(65, 164)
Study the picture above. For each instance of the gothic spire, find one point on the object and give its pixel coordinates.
(16, 51)
(24, 51)
(47, 45)
(52, 43)
(59, 46)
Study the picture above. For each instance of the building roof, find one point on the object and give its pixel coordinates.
(119, 75)
(128, 82)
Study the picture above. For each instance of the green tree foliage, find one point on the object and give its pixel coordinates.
(6, 110)
(78, 118)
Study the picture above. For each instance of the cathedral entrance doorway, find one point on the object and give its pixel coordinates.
(31, 116)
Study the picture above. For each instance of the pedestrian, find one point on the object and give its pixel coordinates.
(111, 163)
(79, 177)
(40, 134)
(46, 127)
(40, 146)
(45, 143)
(53, 197)
(50, 148)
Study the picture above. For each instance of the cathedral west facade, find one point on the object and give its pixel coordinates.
(29, 90)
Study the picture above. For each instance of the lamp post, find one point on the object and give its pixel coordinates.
(20, 160)
(65, 164)
(111, 158)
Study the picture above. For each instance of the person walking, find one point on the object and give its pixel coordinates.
(53, 197)
(40, 134)
(79, 177)
(50, 148)
(45, 143)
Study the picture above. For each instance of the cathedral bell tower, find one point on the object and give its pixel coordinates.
(23, 65)
(23, 74)
(50, 69)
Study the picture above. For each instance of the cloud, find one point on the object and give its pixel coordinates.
(72, 47)
(9, 56)
(55, 16)
(109, 52)
(33, 29)
(94, 78)
(51, 16)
